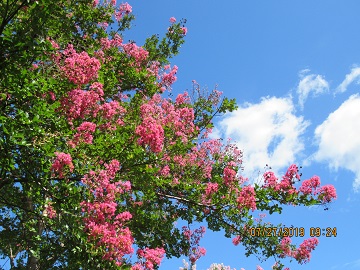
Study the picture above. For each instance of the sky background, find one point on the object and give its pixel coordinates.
(294, 69)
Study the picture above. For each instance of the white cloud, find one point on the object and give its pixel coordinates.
(338, 138)
(268, 133)
(349, 78)
(310, 83)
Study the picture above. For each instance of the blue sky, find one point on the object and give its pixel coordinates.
(294, 69)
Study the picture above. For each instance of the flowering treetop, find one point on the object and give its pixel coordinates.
(98, 164)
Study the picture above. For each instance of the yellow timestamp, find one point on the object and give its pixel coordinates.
(327, 232)
(276, 231)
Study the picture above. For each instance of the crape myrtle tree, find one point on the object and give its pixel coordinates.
(98, 162)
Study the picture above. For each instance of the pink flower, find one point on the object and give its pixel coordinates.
(182, 98)
(151, 257)
(151, 134)
(80, 68)
(229, 175)
(184, 30)
(197, 253)
(83, 134)
(52, 95)
(236, 241)
(126, 8)
(104, 225)
(284, 247)
(86, 127)
(303, 253)
(138, 53)
(124, 216)
(170, 78)
(247, 198)
(49, 211)
(60, 162)
(172, 20)
(327, 193)
(105, 43)
(137, 266)
(211, 188)
(292, 172)
(80, 103)
(270, 179)
(309, 186)
(109, 110)
(165, 171)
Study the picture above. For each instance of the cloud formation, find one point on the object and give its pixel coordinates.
(268, 133)
(349, 78)
(338, 138)
(311, 83)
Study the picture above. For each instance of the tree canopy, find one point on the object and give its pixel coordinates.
(98, 161)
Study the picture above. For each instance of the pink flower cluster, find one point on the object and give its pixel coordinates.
(301, 254)
(246, 198)
(195, 252)
(309, 186)
(168, 79)
(151, 133)
(211, 188)
(83, 134)
(110, 109)
(200, 158)
(149, 258)
(285, 247)
(80, 104)
(236, 241)
(165, 171)
(229, 175)
(286, 184)
(49, 211)
(182, 99)
(270, 180)
(196, 158)
(158, 113)
(327, 193)
(184, 30)
(102, 222)
(79, 68)
(231, 150)
(60, 162)
(154, 68)
(139, 54)
(124, 9)
(107, 43)
(214, 97)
